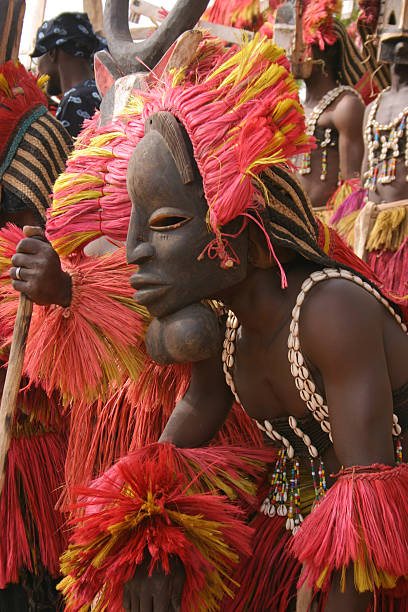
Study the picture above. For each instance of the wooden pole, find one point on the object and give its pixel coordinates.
(13, 45)
(6, 17)
(93, 8)
(300, 68)
(13, 379)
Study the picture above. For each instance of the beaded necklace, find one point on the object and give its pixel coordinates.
(311, 124)
(383, 151)
(283, 498)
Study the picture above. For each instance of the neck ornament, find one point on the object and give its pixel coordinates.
(311, 124)
(383, 149)
(284, 497)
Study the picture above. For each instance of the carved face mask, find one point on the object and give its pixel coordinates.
(168, 240)
(392, 31)
(242, 115)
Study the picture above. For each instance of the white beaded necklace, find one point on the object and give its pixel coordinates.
(311, 124)
(382, 151)
(283, 498)
(303, 381)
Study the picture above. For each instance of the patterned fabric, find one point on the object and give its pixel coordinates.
(77, 104)
(72, 31)
(39, 159)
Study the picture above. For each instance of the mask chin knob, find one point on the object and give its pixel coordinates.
(188, 335)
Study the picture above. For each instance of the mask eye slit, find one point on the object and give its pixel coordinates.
(167, 222)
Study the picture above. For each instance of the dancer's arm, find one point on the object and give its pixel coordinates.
(199, 415)
(343, 337)
(348, 120)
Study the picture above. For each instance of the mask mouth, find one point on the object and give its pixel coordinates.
(143, 281)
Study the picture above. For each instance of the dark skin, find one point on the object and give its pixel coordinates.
(391, 104)
(19, 218)
(41, 276)
(65, 70)
(345, 115)
(27, 220)
(357, 377)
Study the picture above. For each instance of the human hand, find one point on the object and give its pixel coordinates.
(159, 593)
(37, 271)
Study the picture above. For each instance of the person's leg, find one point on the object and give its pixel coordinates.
(13, 599)
(41, 591)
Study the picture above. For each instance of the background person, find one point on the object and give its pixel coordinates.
(65, 46)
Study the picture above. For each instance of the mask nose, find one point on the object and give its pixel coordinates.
(138, 250)
(140, 254)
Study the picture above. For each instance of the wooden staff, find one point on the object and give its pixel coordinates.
(13, 379)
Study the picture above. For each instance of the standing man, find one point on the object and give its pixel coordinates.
(33, 150)
(65, 46)
(374, 220)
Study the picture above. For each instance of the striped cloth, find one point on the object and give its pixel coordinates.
(39, 159)
(33, 144)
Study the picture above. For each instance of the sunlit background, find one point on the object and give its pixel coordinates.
(33, 18)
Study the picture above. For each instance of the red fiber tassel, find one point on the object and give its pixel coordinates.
(96, 341)
(268, 578)
(31, 529)
(362, 520)
(354, 202)
(161, 502)
(14, 105)
(383, 276)
(392, 268)
(135, 415)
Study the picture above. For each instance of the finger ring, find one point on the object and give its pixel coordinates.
(18, 276)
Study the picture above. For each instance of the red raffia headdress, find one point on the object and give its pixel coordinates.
(33, 144)
(242, 116)
(318, 22)
(20, 95)
(242, 119)
(369, 12)
(90, 198)
(245, 14)
(321, 27)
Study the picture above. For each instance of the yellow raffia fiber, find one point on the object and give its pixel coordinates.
(339, 196)
(5, 263)
(95, 147)
(178, 76)
(345, 227)
(5, 87)
(367, 576)
(135, 106)
(61, 204)
(390, 229)
(205, 535)
(248, 13)
(243, 61)
(67, 179)
(323, 215)
(71, 242)
(42, 82)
